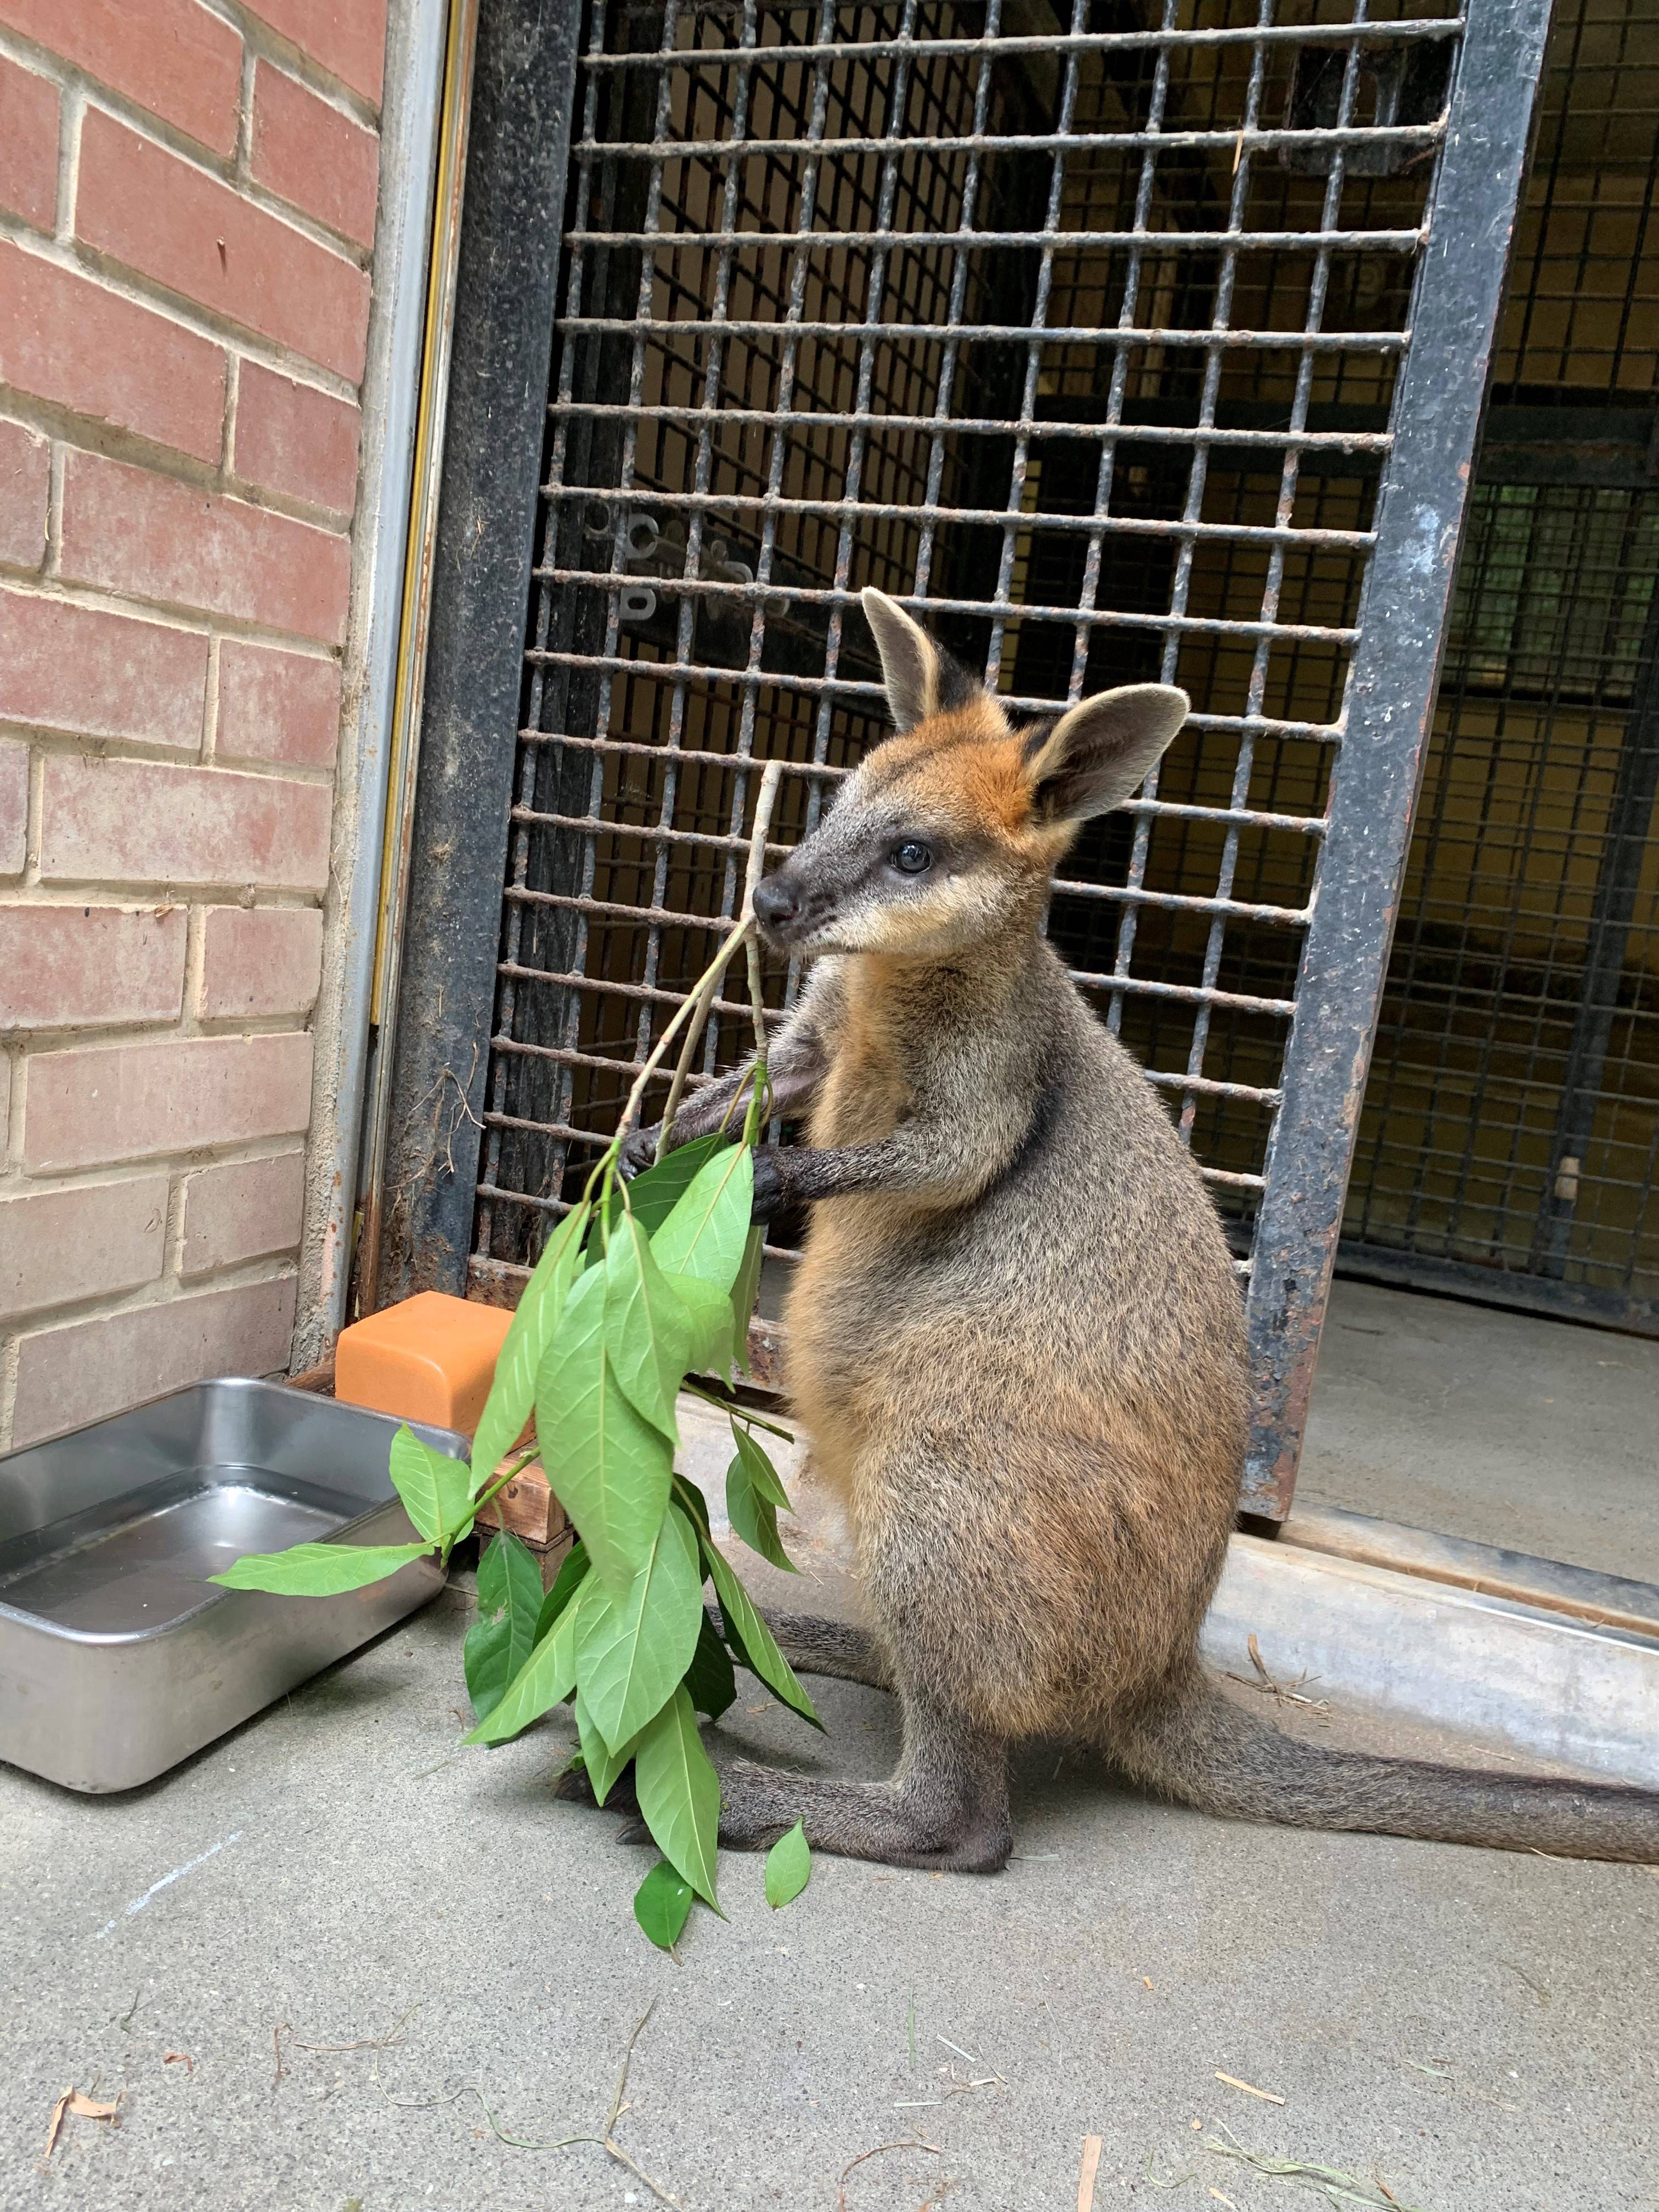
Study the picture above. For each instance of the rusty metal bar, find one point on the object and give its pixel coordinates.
(870, 510)
(1172, 241)
(1414, 137)
(843, 687)
(1379, 442)
(996, 46)
(1246, 817)
(760, 593)
(1244, 341)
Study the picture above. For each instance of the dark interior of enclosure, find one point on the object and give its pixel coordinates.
(1511, 1136)
(954, 320)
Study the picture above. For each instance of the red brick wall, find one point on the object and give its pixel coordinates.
(187, 206)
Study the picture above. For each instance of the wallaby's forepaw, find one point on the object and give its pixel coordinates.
(639, 1151)
(768, 1184)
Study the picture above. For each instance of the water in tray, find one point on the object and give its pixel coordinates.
(143, 1561)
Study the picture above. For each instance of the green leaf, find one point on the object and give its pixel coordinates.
(602, 1765)
(652, 1196)
(513, 1393)
(631, 1651)
(435, 1489)
(566, 1582)
(709, 1681)
(648, 1331)
(710, 1351)
(608, 1468)
(547, 1678)
(679, 1794)
(319, 1569)
(757, 1466)
(789, 1867)
(660, 1904)
(752, 1640)
(745, 1291)
(692, 1504)
(754, 1518)
(509, 1607)
(705, 1234)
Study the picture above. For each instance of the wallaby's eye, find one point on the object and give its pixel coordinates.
(913, 858)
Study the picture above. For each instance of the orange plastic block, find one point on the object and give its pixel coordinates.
(431, 1358)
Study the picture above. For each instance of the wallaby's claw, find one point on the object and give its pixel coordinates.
(639, 1151)
(574, 1787)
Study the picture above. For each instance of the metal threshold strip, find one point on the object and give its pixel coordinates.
(1598, 1600)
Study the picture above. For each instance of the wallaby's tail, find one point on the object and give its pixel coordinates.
(1202, 1749)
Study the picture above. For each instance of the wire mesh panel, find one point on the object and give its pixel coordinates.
(1082, 331)
(1510, 1138)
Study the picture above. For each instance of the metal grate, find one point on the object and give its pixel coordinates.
(1080, 332)
(1511, 1140)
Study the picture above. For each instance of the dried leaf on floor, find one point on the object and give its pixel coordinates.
(179, 2058)
(83, 2107)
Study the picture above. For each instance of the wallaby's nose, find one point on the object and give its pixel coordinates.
(776, 901)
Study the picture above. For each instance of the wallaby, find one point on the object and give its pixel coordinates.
(1015, 1336)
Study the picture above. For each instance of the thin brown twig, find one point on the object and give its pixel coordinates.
(369, 2043)
(276, 2033)
(607, 2142)
(765, 802)
(910, 2142)
(701, 1002)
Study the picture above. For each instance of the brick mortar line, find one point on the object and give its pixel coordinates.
(223, 169)
(270, 44)
(189, 1018)
(169, 614)
(277, 900)
(251, 1274)
(82, 433)
(75, 256)
(73, 78)
(130, 1033)
(65, 427)
(49, 741)
(67, 1180)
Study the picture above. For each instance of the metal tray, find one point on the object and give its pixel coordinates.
(117, 1657)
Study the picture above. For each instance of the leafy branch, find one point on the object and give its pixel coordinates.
(640, 1285)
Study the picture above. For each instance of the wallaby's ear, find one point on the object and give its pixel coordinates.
(911, 661)
(1099, 750)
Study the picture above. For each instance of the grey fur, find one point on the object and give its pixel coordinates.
(1016, 1340)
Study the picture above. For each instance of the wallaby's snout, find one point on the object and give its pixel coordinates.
(777, 904)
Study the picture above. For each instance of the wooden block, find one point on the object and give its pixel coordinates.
(766, 1347)
(527, 1507)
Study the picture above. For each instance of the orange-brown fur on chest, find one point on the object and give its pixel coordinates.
(867, 1092)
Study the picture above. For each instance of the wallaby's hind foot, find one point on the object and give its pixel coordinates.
(575, 1787)
(815, 1646)
(945, 1809)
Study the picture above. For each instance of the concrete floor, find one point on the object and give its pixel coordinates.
(1479, 2031)
(1542, 1436)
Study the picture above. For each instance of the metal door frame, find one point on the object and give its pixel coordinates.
(504, 336)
